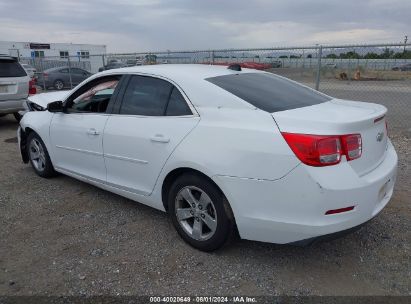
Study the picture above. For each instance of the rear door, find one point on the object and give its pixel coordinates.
(14, 81)
(152, 119)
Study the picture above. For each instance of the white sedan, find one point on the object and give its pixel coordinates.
(222, 150)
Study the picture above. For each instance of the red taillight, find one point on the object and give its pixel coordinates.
(315, 150)
(32, 88)
(318, 150)
(46, 76)
(352, 145)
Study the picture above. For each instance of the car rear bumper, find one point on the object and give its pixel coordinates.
(12, 106)
(293, 208)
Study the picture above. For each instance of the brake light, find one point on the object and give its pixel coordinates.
(315, 150)
(352, 146)
(32, 88)
(45, 76)
(319, 150)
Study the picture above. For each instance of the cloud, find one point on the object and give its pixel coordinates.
(141, 25)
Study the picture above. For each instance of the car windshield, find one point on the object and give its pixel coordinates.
(269, 92)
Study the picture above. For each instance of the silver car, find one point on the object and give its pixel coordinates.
(14, 86)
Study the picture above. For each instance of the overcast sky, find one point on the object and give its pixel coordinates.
(143, 25)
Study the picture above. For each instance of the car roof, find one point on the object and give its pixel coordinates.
(191, 79)
(62, 67)
(181, 72)
(56, 68)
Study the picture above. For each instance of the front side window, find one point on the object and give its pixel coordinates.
(95, 98)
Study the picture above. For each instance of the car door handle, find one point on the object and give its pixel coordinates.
(93, 131)
(160, 138)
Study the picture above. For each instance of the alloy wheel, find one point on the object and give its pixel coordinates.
(37, 155)
(196, 213)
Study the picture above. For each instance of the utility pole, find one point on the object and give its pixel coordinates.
(405, 41)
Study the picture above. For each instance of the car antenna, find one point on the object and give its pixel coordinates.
(234, 67)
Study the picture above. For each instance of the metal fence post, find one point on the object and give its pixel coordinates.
(69, 67)
(317, 81)
(42, 71)
(212, 57)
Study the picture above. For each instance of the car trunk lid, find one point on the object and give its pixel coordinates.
(341, 117)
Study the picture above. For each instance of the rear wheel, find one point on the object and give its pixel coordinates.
(59, 84)
(200, 212)
(39, 156)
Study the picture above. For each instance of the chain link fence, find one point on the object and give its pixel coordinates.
(374, 73)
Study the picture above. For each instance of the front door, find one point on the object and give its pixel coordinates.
(77, 134)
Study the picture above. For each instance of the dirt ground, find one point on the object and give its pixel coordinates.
(63, 237)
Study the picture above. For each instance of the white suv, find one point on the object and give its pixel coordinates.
(14, 86)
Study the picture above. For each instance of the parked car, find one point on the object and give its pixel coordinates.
(29, 69)
(330, 65)
(277, 64)
(219, 149)
(62, 77)
(113, 64)
(15, 86)
(404, 67)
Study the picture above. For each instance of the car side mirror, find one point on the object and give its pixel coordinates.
(55, 106)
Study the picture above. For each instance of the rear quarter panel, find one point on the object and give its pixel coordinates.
(243, 143)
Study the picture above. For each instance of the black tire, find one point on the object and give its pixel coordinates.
(17, 116)
(58, 84)
(42, 166)
(220, 209)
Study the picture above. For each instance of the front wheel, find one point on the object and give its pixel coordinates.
(200, 212)
(39, 156)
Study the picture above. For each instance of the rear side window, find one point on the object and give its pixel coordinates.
(145, 96)
(148, 96)
(268, 92)
(11, 68)
(177, 105)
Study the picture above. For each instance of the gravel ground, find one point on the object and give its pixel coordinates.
(63, 237)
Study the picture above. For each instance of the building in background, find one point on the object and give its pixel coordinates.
(46, 55)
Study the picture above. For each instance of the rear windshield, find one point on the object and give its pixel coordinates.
(268, 92)
(11, 68)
